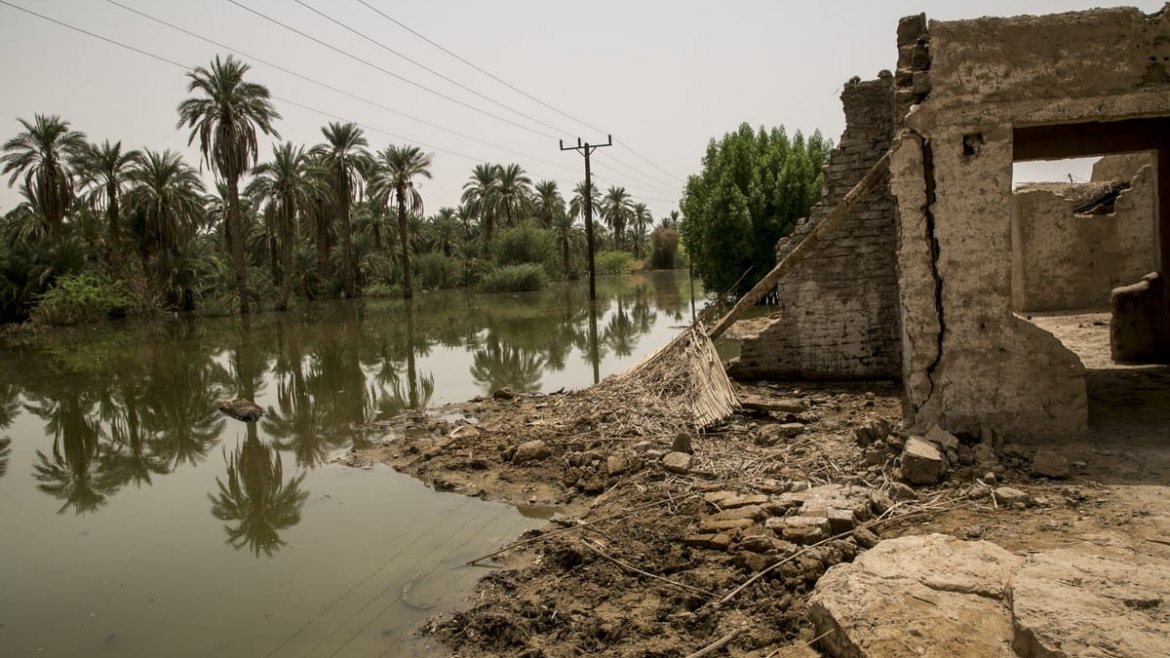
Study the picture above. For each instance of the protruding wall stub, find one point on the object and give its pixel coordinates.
(1137, 328)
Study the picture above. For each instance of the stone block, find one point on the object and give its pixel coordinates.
(922, 463)
(1050, 464)
(677, 462)
(531, 451)
(841, 520)
(717, 541)
(735, 502)
(800, 529)
(942, 438)
(708, 524)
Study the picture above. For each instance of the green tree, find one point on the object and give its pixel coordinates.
(287, 186)
(225, 118)
(399, 166)
(754, 187)
(344, 157)
(41, 155)
(479, 197)
(105, 171)
(165, 196)
(616, 210)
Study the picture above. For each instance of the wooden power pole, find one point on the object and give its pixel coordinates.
(587, 149)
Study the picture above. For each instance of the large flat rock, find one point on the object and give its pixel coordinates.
(938, 596)
(929, 596)
(1079, 602)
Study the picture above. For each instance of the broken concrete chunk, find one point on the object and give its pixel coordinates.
(530, 451)
(754, 512)
(734, 502)
(922, 463)
(800, 529)
(930, 596)
(682, 443)
(677, 462)
(841, 520)
(1078, 602)
(709, 524)
(942, 438)
(1049, 464)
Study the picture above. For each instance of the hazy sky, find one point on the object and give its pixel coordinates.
(663, 77)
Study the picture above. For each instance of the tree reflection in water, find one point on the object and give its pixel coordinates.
(5, 453)
(69, 474)
(256, 503)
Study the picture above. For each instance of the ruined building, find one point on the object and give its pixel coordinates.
(930, 279)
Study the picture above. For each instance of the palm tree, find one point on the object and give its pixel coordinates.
(513, 192)
(444, 231)
(670, 221)
(41, 155)
(105, 170)
(225, 118)
(548, 204)
(479, 196)
(399, 165)
(577, 203)
(165, 196)
(567, 236)
(640, 218)
(616, 211)
(288, 186)
(344, 157)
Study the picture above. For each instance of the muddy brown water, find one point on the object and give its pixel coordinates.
(136, 520)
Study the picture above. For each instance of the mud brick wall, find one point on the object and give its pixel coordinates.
(838, 309)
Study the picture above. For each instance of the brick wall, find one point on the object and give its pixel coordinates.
(839, 315)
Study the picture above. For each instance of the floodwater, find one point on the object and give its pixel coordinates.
(136, 520)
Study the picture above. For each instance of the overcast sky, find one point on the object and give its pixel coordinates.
(663, 76)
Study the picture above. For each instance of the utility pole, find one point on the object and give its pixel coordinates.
(587, 149)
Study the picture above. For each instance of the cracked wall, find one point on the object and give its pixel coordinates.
(1073, 243)
(838, 308)
(969, 363)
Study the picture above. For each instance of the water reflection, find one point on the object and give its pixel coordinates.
(256, 503)
(128, 404)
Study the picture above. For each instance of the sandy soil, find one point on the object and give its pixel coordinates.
(622, 571)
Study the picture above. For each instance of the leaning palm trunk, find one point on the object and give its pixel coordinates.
(404, 238)
(236, 240)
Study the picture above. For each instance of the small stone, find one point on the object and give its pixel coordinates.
(758, 544)
(1049, 464)
(990, 477)
(707, 524)
(717, 497)
(717, 541)
(1011, 497)
(865, 537)
(643, 446)
(841, 520)
(735, 502)
(464, 432)
(504, 394)
(922, 463)
(682, 443)
(531, 451)
(792, 429)
(677, 462)
(753, 512)
(241, 409)
(591, 485)
(616, 465)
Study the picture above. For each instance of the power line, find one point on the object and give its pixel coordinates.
(185, 68)
(344, 93)
(423, 66)
(391, 73)
(509, 85)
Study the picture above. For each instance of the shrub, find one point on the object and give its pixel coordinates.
(523, 244)
(434, 270)
(516, 278)
(613, 262)
(79, 298)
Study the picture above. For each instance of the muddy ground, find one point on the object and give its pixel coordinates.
(636, 563)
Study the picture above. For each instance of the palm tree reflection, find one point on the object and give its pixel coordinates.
(5, 453)
(256, 503)
(69, 473)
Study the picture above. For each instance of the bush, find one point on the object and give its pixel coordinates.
(613, 262)
(523, 244)
(80, 298)
(664, 255)
(516, 278)
(434, 271)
